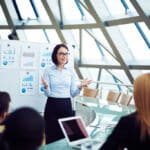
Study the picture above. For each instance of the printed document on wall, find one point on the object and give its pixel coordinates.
(9, 52)
(27, 82)
(29, 57)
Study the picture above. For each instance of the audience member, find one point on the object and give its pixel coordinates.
(4, 105)
(133, 131)
(24, 130)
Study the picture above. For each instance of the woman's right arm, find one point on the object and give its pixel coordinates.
(46, 80)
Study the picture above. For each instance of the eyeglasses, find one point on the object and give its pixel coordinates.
(63, 54)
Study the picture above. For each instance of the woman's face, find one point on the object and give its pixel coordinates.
(62, 56)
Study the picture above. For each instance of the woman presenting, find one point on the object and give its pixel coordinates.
(59, 86)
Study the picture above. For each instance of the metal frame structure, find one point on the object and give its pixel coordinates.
(59, 26)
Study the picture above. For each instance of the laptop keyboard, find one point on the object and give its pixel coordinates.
(89, 144)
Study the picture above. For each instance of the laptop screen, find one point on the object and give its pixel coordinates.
(74, 128)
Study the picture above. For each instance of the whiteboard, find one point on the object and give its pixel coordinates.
(21, 66)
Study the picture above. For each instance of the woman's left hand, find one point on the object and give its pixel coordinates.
(85, 83)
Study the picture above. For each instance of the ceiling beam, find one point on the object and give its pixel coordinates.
(111, 22)
(101, 66)
(122, 21)
(131, 67)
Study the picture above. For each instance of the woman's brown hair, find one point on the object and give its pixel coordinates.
(142, 102)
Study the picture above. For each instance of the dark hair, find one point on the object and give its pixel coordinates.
(55, 50)
(24, 130)
(4, 102)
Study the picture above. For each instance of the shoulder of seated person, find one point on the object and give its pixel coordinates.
(2, 127)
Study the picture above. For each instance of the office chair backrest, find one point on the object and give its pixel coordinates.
(125, 99)
(113, 96)
(89, 92)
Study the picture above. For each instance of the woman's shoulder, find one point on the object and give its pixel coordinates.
(128, 123)
(130, 116)
(2, 128)
(49, 68)
(129, 119)
(69, 68)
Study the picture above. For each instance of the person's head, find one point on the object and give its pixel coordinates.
(60, 54)
(142, 99)
(4, 105)
(24, 130)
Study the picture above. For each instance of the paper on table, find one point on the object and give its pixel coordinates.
(103, 120)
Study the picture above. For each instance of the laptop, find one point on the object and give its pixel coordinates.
(75, 132)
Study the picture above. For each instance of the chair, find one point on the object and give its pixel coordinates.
(125, 99)
(113, 96)
(89, 96)
(88, 92)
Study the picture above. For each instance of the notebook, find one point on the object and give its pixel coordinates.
(75, 132)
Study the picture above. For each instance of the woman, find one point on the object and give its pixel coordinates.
(60, 85)
(133, 131)
(24, 130)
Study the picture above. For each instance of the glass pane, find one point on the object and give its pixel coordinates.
(117, 8)
(35, 36)
(90, 73)
(91, 54)
(25, 9)
(42, 13)
(101, 38)
(136, 73)
(53, 36)
(140, 51)
(2, 17)
(109, 83)
(145, 5)
(4, 34)
(114, 9)
(119, 74)
(145, 30)
(70, 9)
(72, 37)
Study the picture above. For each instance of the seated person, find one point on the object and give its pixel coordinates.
(24, 130)
(4, 106)
(133, 131)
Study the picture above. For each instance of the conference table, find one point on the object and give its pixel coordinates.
(107, 115)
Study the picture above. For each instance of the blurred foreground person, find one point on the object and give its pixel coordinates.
(4, 105)
(133, 131)
(24, 130)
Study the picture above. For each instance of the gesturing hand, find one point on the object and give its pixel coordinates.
(85, 83)
(44, 82)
